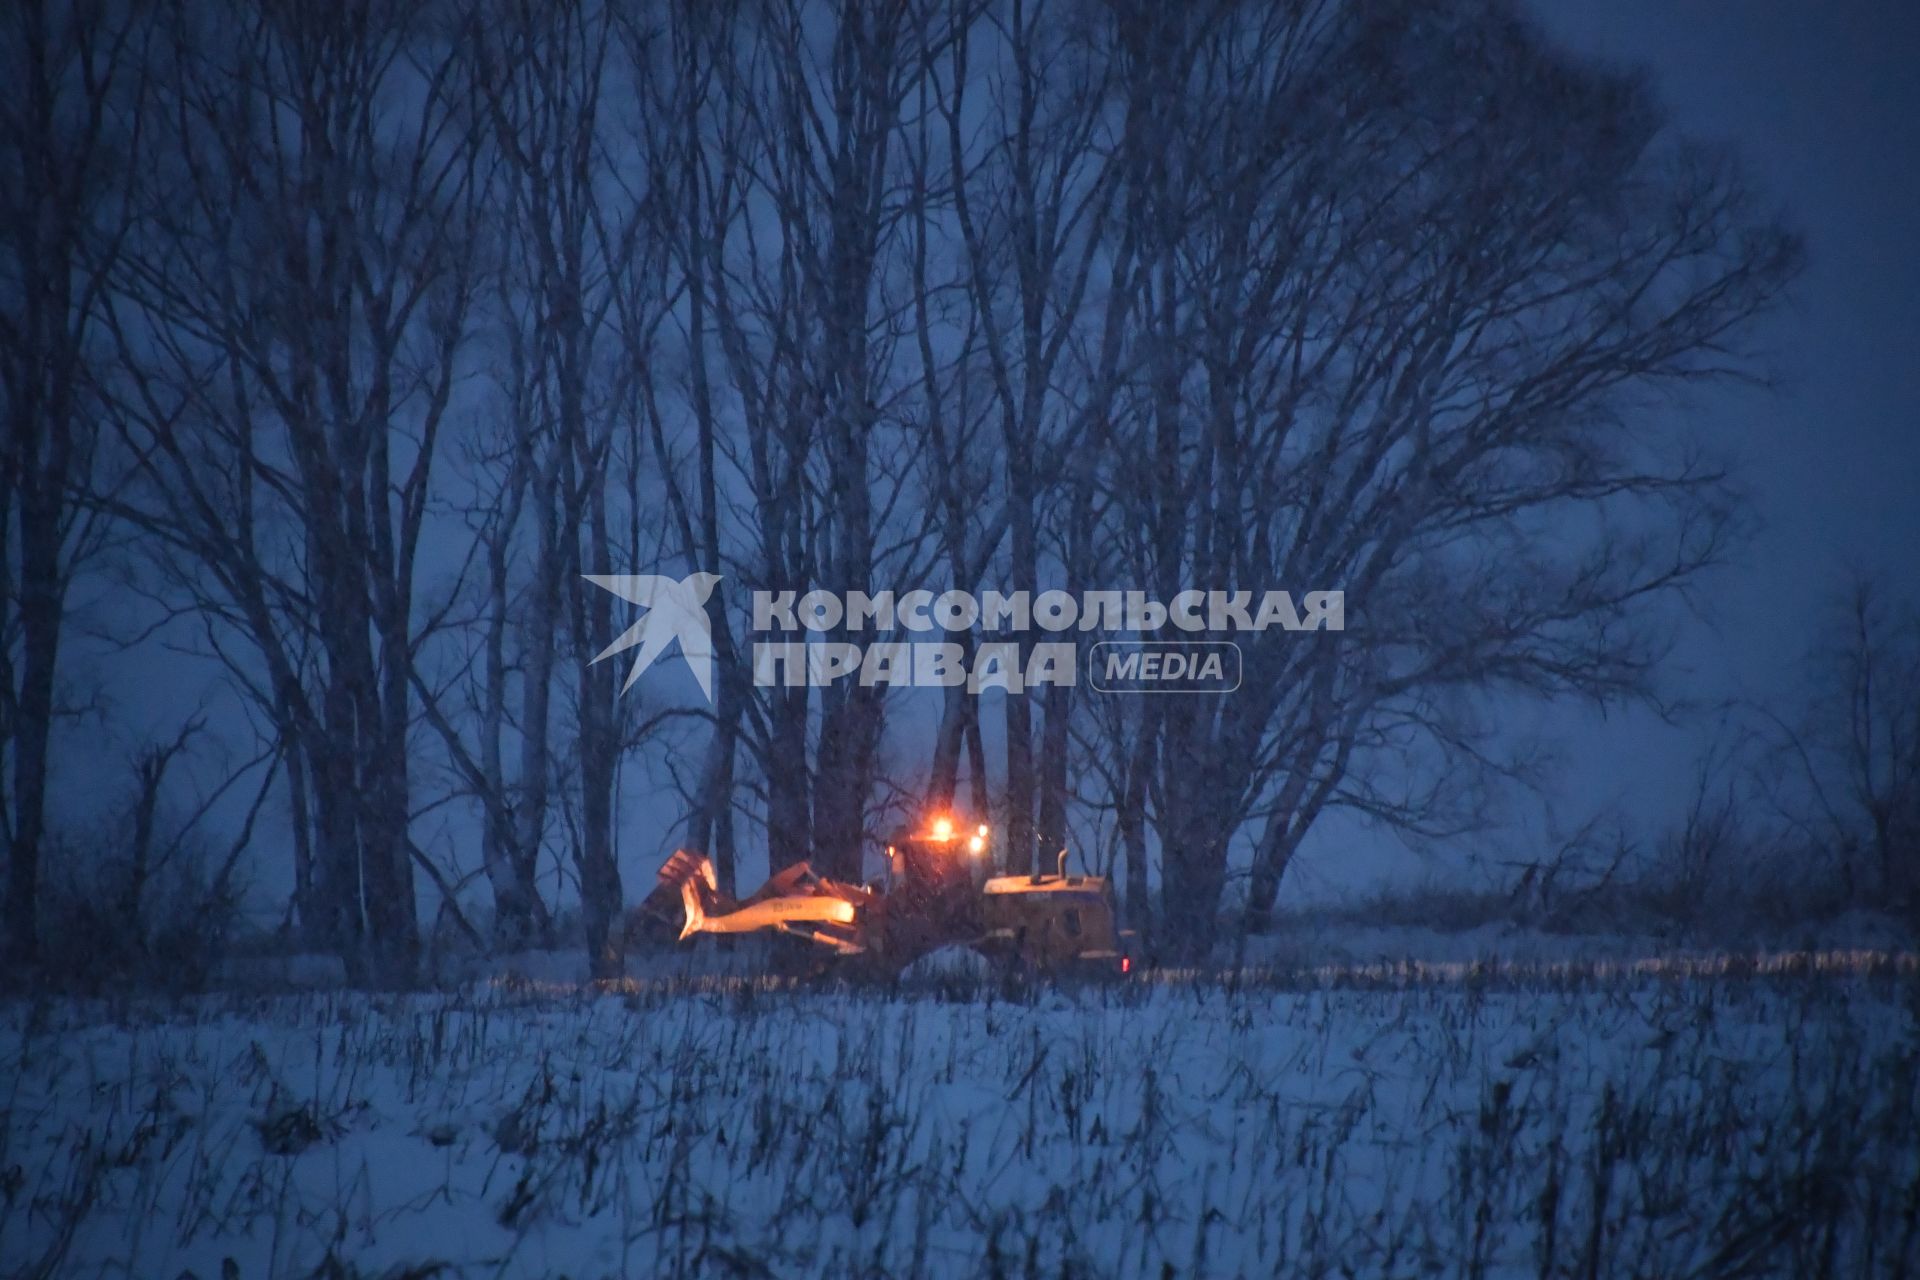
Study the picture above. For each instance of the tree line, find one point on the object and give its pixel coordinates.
(348, 337)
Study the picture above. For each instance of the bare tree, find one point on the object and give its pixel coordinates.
(68, 123)
(564, 220)
(797, 199)
(150, 767)
(680, 71)
(484, 699)
(1854, 751)
(1033, 182)
(292, 317)
(960, 473)
(1396, 301)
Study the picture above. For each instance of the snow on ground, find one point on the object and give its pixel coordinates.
(1645, 1126)
(1306, 941)
(947, 965)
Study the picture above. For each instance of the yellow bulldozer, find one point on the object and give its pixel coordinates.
(939, 890)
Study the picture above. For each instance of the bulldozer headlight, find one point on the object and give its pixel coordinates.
(943, 828)
(977, 845)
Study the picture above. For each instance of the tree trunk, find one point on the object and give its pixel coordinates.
(1132, 822)
(710, 829)
(601, 898)
(600, 890)
(598, 740)
(1054, 743)
(40, 628)
(1019, 707)
(789, 823)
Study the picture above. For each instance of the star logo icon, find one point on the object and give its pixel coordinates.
(676, 610)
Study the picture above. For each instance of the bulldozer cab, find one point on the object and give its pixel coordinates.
(940, 858)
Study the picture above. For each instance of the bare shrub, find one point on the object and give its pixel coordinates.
(110, 922)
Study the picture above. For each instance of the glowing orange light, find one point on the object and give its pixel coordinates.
(943, 828)
(977, 845)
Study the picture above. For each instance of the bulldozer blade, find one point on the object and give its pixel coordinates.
(688, 890)
(684, 866)
(768, 913)
(795, 901)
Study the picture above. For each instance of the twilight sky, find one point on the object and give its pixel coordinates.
(1821, 101)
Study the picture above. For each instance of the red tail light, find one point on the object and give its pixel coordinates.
(1126, 964)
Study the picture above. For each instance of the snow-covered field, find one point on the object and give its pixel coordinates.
(1636, 1124)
